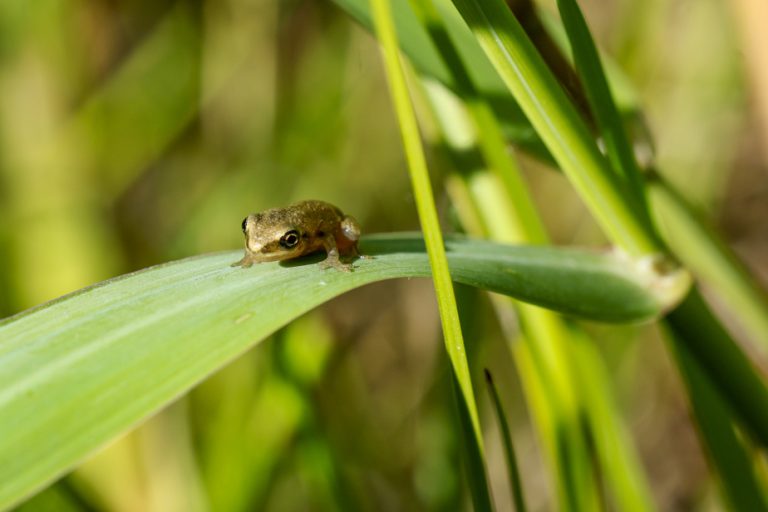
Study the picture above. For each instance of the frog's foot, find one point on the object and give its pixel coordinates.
(245, 262)
(337, 264)
(346, 265)
(333, 259)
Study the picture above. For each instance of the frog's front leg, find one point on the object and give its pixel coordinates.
(333, 259)
(246, 262)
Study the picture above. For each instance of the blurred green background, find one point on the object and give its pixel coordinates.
(134, 132)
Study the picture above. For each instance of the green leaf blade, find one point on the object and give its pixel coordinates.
(78, 371)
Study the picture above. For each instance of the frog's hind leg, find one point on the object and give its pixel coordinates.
(350, 229)
(348, 241)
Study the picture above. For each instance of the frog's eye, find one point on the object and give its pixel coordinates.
(290, 239)
(245, 222)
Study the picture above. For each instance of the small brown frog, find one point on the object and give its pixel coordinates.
(303, 228)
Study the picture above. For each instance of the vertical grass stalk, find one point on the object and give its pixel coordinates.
(713, 419)
(595, 84)
(515, 483)
(427, 212)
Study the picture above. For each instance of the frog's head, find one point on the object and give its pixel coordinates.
(268, 237)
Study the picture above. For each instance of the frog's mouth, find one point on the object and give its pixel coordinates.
(271, 256)
(271, 252)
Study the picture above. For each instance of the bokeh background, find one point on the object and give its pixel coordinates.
(134, 132)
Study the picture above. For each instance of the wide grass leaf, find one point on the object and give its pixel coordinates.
(78, 371)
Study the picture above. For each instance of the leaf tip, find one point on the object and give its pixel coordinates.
(660, 274)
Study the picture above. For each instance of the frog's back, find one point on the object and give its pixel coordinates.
(320, 208)
(319, 213)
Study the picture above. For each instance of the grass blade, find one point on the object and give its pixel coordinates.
(506, 213)
(446, 300)
(80, 370)
(557, 122)
(509, 448)
(713, 419)
(724, 362)
(619, 463)
(423, 55)
(595, 83)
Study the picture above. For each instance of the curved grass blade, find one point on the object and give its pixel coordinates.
(78, 371)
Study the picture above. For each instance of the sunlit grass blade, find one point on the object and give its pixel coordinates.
(415, 43)
(704, 252)
(564, 447)
(551, 392)
(565, 134)
(619, 463)
(446, 300)
(557, 122)
(595, 84)
(515, 483)
(693, 245)
(491, 140)
(507, 213)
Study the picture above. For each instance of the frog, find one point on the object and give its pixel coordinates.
(303, 228)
